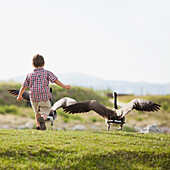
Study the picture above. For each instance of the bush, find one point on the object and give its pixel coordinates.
(9, 109)
(93, 119)
(2, 110)
(128, 129)
(2, 102)
(139, 119)
(165, 106)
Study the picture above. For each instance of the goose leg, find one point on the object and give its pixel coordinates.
(108, 124)
(54, 118)
(121, 125)
(108, 127)
(51, 125)
(51, 118)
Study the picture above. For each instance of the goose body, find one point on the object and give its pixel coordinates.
(112, 115)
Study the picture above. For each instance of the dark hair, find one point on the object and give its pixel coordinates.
(38, 61)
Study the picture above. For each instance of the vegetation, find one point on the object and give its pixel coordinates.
(31, 149)
(94, 149)
(77, 93)
(9, 109)
(9, 105)
(80, 94)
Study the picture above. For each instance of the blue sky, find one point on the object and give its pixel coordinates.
(115, 40)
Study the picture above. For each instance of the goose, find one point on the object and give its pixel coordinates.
(114, 115)
(116, 107)
(63, 102)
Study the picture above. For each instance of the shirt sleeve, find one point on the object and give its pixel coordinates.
(52, 77)
(26, 82)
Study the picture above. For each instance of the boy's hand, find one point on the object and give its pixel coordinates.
(68, 87)
(21, 91)
(19, 98)
(62, 85)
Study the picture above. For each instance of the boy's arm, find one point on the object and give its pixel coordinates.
(22, 89)
(62, 85)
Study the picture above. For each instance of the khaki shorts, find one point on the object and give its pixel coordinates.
(43, 107)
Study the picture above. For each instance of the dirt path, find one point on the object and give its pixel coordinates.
(9, 121)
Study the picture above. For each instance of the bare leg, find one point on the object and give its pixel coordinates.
(36, 116)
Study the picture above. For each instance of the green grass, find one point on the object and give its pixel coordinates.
(31, 149)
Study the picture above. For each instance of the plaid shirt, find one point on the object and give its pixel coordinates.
(38, 84)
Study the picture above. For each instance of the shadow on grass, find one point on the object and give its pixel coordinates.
(72, 159)
(118, 160)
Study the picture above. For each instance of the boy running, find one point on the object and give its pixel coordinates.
(39, 91)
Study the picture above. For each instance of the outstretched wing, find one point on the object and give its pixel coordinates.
(86, 106)
(138, 104)
(64, 102)
(15, 93)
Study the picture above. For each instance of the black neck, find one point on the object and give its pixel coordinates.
(115, 100)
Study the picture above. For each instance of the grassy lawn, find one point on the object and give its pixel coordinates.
(31, 149)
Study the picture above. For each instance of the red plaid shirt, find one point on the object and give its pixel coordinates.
(38, 84)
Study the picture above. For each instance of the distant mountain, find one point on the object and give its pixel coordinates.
(140, 88)
(84, 80)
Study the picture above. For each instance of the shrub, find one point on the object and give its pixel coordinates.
(165, 106)
(128, 129)
(2, 110)
(2, 102)
(93, 119)
(139, 119)
(9, 109)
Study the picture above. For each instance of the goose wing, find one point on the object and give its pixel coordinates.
(15, 93)
(86, 106)
(64, 102)
(138, 104)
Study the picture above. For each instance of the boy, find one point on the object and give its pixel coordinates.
(39, 92)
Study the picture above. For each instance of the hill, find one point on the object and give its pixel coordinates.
(78, 93)
(31, 149)
(83, 80)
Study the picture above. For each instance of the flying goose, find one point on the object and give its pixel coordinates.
(63, 102)
(112, 115)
